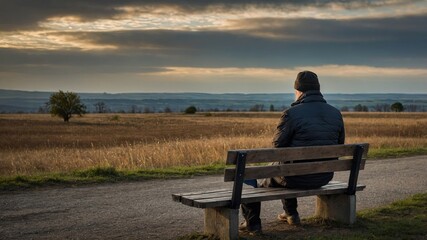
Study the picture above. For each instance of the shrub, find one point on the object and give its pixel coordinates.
(191, 110)
(396, 107)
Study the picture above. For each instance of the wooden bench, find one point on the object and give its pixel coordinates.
(335, 201)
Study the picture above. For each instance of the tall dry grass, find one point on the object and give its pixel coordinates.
(37, 143)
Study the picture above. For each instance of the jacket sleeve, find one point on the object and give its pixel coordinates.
(341, 138)
(284, 132)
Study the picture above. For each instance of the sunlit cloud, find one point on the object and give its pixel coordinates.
(249, 19)
(166, 18)
(47, 40)
(340, 71)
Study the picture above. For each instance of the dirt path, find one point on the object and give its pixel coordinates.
(145, 210)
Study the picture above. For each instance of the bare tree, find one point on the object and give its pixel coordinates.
(167, 110)
(411, 108)
(101, 107)
(44, 108)
(257, 108)
(344, 109)
(148, 110)
(134, 109)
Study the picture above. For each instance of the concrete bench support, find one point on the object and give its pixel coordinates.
(222, 222)
(341, 208)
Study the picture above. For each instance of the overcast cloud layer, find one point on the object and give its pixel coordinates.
(212, 46)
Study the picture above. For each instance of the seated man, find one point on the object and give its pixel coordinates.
(310, 121)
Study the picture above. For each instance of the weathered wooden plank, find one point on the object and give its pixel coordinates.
(225, 202)
(295, 153)
(296, 193)
(177, 196)
(225, 193)
(252, 192)
(275, 195)
(206, 192)
(292, 169)
(281, 191)
(189, 198)
(202, 192)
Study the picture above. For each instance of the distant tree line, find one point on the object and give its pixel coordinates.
(65, 104)
(395, 107)
(102, 107)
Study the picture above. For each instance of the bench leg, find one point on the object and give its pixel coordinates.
(341, 208)
(222, 222)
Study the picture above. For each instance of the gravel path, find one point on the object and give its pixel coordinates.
(145, 210)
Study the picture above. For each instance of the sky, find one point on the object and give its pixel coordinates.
(213, 46)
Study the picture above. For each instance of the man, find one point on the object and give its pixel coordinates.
(309, 122)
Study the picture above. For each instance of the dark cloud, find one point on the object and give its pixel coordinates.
(26, 14)
(75, 62)
(275, 43)
(331, 30)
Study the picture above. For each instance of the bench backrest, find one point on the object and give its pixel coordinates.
(298, 161)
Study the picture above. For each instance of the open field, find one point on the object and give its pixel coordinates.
(32, 144)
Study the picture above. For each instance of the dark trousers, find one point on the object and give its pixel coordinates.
(251, 211)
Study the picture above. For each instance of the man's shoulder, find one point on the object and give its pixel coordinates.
(311, 107)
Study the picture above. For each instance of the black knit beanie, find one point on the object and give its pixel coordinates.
(306, 81)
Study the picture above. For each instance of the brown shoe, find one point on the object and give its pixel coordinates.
(243, 225)
(252, 230)
(290, 219)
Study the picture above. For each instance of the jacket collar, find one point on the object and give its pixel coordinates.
(310, 96)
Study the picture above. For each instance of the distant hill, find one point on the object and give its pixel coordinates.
(14, 101)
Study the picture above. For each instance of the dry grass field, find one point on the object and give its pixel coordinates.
(32, 144)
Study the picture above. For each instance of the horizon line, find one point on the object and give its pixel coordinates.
(214, 93)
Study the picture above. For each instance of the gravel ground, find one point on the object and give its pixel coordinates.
(145, 210)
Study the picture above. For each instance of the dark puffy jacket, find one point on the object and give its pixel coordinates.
(309, 122)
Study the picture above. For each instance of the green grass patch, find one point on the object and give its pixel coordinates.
(406, 219)
(103, 175)
(395, 152)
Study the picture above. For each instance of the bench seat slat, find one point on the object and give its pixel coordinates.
(292, 169)
(189, 199)
(196, 196)
(295, 153)
(177, 196)
(227, 194)
(223, 199)
(293, 193)
(256, 192)
(273, 195)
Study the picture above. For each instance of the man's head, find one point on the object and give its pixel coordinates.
(306, 81)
